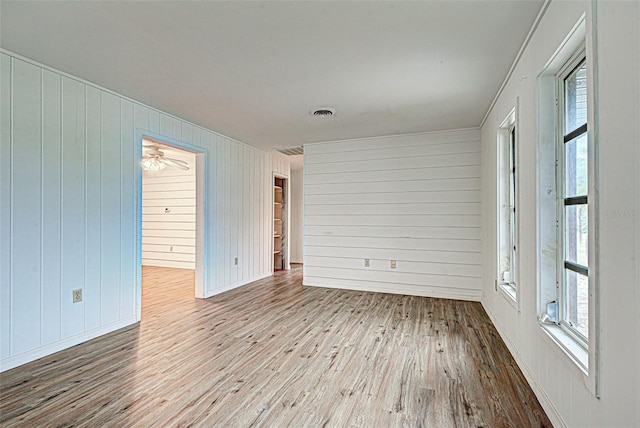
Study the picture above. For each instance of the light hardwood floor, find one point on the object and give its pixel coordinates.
(276, 354)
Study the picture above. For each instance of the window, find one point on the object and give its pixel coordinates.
(507, 207)
(573, 199)
(567, 304)
(567, 203)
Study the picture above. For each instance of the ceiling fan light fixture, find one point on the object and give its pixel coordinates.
(155, 160)
(153, 164)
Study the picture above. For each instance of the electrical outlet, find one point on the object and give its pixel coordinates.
(235, 261)
(77, 295)
(366, 262)
(393, 264)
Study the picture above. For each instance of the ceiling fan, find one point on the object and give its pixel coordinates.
(154, 159)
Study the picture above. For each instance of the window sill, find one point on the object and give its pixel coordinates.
(574, 350)
(508, 291)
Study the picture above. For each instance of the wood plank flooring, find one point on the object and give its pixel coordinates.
(276, 354)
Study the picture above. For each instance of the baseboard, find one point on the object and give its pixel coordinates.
(43, 351)
(543, 398)
(411, 290)
(215, 291)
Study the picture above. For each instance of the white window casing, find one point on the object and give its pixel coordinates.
(567, 239)
(507, 209)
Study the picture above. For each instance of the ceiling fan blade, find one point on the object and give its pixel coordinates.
(177, 163)
(181, 162)
(153, 151)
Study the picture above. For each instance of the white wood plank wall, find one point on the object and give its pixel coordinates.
(169, 238)
(414, 199)
(68, 218)
(297, 210)
(564, 391)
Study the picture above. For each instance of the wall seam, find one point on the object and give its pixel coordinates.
(41, 205)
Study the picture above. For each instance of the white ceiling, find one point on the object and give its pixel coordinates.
(253, 70)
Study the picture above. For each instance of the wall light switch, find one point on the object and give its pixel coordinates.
(366, 262)
(393, 264)
(77, 295)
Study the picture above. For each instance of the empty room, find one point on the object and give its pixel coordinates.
(320, 213)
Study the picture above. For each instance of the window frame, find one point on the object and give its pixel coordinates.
(586, 360)
(507, 141)
(575, 61)
(513, 205)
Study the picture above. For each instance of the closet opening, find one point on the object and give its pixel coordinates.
(280, 223)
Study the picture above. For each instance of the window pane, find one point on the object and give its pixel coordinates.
(575, 92)
(576, 234)
(575, 164)
(577, 298)
(505, 210)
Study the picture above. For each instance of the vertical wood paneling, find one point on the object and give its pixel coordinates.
(239, 195)
(51, 207)
(254, 213)
(228, 212)
(176, 133)
(234, 204)
(26, 204)
(73, 204)
(93, 216)
(390, 198)
(207, 141)
(68, 208)
(250, 213)
(186, 133)
(220, 209)
(257, 218)
(266, 223)
(201, 138)
(110, 227)
(5, 205)
(127, 206)
(166, 126)
(246, 209)
(261, 214)
(154, 121)
(141, 120)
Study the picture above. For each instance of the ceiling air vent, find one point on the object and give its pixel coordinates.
(291, 151)
(323, 111)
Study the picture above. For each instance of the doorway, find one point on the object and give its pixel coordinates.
(280, 223)
(171, 239)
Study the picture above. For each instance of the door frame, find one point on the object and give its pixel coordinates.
(202, 244)
(287, 223)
